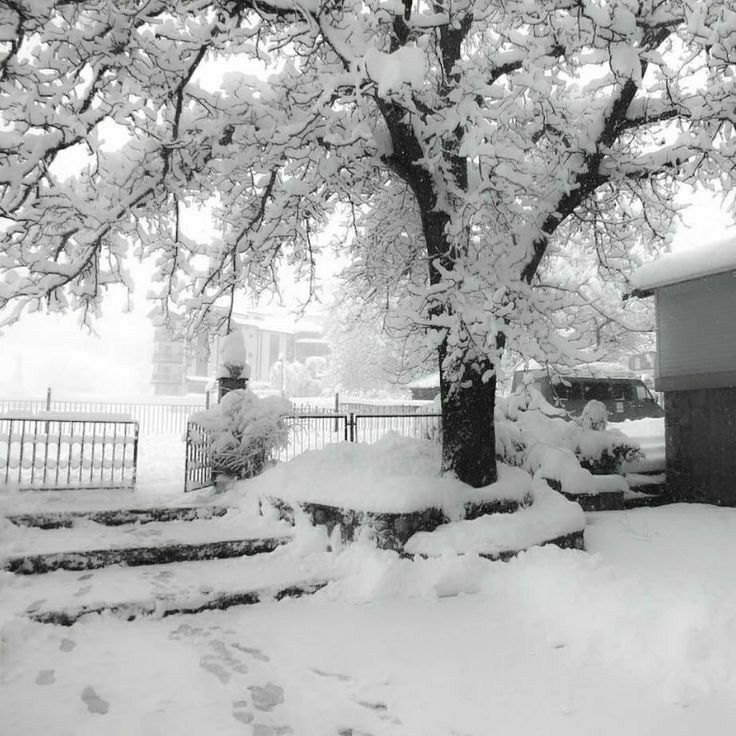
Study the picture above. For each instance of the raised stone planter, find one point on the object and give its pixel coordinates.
(575, 540)
(390, 530)
(601, 501)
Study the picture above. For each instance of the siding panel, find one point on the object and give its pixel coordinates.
(697, 327)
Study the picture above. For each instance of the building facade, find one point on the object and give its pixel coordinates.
(695, 295)
(180, 368)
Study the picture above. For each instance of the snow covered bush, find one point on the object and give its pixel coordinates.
(525, 421)
(594, 416)
(247, 430)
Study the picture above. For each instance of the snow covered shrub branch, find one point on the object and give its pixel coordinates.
(247, 430)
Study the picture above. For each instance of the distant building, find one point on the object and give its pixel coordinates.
(180, 368)
(695, 294)
(425, 388)
(168, 364)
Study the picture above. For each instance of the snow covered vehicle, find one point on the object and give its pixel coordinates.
(625, 395)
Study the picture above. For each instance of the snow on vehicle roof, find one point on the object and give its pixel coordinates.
(596, 369)
(685, 265)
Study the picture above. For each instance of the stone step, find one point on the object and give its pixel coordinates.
(646, 498)
(89, 545)
(603, 501)
(117, 517)
(93, 559)
(63, 597)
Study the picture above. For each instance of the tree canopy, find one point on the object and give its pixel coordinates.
(479, 140)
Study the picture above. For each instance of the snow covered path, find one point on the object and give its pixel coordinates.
(634, 637)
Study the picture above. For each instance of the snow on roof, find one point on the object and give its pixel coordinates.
(432, 380)
(685, 265)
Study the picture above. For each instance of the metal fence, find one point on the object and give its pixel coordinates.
(153, 418)
(47, 450)
(171, 418)
(312, 432)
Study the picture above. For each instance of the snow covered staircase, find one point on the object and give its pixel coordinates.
(83, 543)
(63, 597)
(221, 558)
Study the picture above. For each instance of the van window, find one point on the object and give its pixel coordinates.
(598, 391)
(641, 392)
(567, 390)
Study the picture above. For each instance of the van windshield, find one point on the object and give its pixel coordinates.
(571, 389)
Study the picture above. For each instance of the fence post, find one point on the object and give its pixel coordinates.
(48, 398)
(337, 411)
(351, 425)
(135, 457)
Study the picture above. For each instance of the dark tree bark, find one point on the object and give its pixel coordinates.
(469, 435)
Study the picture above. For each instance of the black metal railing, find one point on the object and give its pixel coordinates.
(312, 432)
(198, 458)
(51, 450)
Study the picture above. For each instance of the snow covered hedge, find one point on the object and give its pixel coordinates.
(532, 434)
(247, 431)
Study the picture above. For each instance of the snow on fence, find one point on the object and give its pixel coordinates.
(152, 418)
(171, 418)
(52, 450)
(315, 431)
(312, 432)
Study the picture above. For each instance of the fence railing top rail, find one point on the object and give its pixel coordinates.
(69, 416)
(421, 415)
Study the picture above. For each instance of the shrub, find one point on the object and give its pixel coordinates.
(247, 431)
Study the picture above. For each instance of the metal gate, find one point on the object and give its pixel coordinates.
(198, 458)
(55, 450)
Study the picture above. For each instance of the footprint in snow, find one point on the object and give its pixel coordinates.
(260, 729)
(266, 697)
(45, 677)
(213, 666)
(67, 645)
(255, 653)
(333, 675)
(240, 711)
(94, 703)
(83, 591)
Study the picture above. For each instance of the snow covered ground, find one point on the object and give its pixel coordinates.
(634, 636)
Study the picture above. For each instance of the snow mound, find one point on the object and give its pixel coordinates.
(394, 475)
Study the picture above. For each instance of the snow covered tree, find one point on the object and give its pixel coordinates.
(504, 131)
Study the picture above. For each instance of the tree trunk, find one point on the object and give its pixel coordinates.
(468, 430)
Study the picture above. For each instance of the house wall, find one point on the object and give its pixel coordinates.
(696, 334)
(700, 436)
